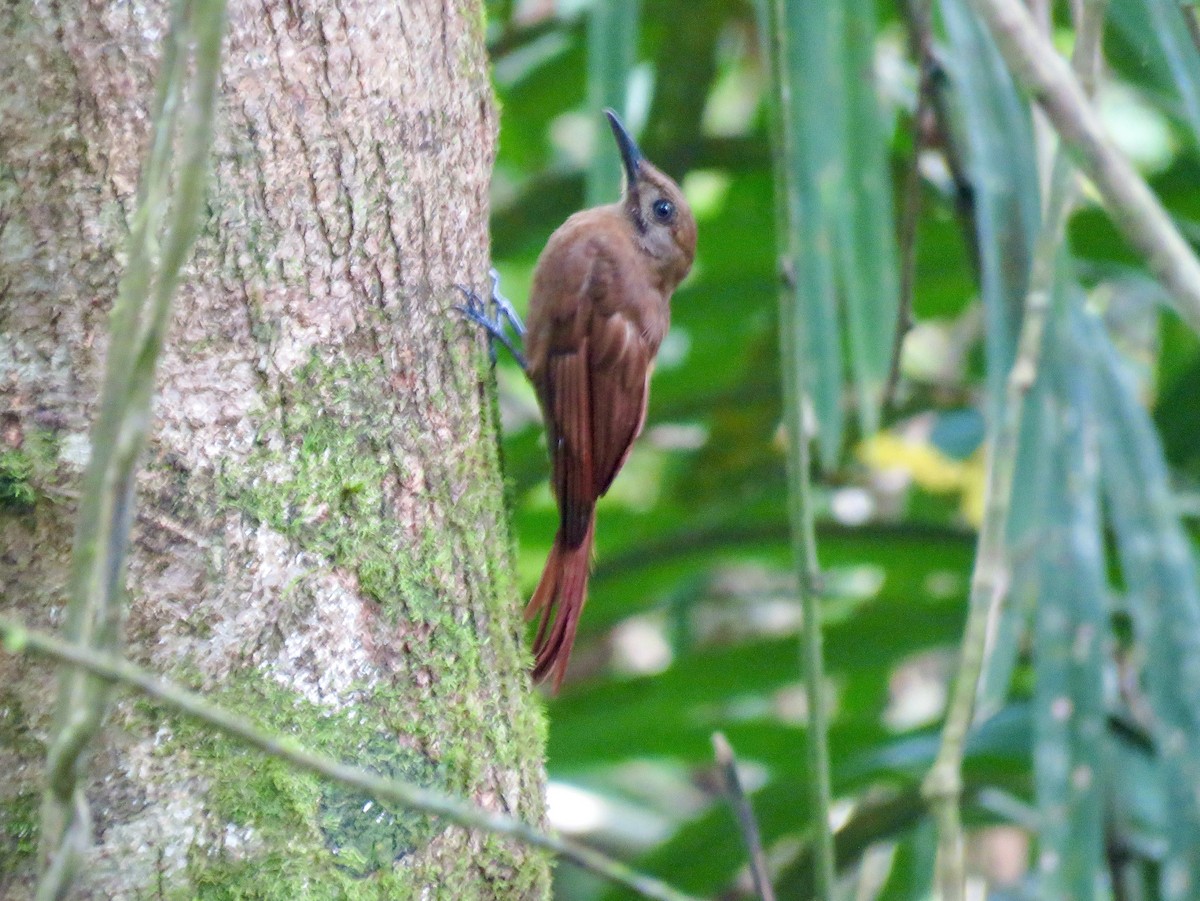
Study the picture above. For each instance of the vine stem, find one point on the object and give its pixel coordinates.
(796, 380)
(17, 638)
(943, 786)
(747, 824)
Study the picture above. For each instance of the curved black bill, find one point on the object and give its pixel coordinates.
(630, 155)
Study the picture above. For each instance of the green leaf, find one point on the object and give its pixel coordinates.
(1165, 53)
(993, 122)
(638, 576)
(911, 876)
(612, 51)
(1162, 594)
(864, 217)
(1003, 170)
(1071, 639)
(724, 687)
(811, 175)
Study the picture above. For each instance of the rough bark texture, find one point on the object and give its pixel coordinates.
(320, 543)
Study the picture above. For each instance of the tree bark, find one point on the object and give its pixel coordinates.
(320, 541)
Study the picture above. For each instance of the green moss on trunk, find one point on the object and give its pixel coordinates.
(334, 480)
(24, 469)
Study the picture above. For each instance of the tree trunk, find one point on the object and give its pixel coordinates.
(320, 541)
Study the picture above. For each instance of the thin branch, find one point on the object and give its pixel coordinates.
(513, 38)
(1089, 42)
(921, 47)
(1134, 208)
(139, 322)
(745, 816)
(16, 638)
(937, 127)
(948, 135)
(1188, 11)
(796, 381)
(943, 785)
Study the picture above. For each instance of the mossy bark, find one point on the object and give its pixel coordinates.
(320, 541)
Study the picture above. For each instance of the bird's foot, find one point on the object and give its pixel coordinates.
(496, 325)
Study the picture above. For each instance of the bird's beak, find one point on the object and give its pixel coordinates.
(630, 155)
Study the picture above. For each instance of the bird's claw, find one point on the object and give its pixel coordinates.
(504, 307)
(496, 326)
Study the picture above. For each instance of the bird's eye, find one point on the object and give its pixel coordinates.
(664, 210)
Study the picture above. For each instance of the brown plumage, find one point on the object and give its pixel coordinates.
(597, 315)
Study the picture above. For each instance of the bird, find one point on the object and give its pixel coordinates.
(599, 309)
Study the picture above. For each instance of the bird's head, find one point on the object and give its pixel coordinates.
(663, 225)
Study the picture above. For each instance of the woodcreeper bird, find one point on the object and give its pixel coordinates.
(598, 311)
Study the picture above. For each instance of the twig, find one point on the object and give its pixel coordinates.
(1188, 11)
(1134, 208)
(16, 638)
(942, 787)
(139, 322)
(796, 381)
(1089, 34)
(745, 816)
(921, 45)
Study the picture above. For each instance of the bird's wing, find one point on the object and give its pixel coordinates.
(566, 398)
(593, 388)
(620, 367)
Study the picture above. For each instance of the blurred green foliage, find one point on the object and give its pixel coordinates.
(1085, 755)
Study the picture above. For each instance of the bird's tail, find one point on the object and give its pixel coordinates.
(559, 597)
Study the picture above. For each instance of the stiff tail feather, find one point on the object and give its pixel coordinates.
(559, 598)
